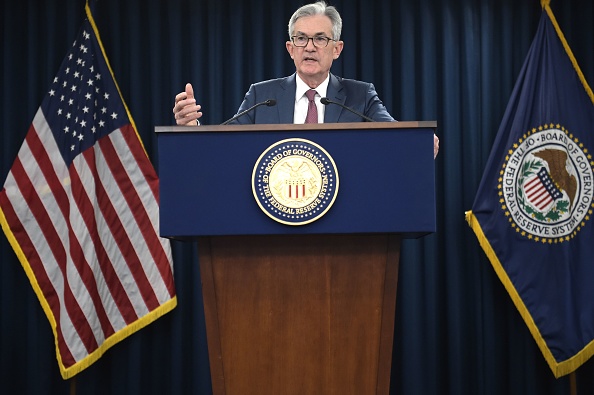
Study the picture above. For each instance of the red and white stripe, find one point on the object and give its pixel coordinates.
(537, 193)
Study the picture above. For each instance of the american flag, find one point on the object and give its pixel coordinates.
(80, 208)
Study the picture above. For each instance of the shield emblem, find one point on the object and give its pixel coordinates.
(540, 190)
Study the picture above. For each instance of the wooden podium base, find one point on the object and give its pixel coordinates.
(305, 314)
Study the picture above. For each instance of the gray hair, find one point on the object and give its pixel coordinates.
(319, 8)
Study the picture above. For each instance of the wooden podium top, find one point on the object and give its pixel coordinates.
(294, 127)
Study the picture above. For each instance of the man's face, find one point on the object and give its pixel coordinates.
(313, 63)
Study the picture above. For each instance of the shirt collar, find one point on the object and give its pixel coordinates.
(302, 87)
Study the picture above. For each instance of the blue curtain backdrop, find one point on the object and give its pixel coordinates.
(454, 61)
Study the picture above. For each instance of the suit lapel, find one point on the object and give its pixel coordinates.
(334, 92)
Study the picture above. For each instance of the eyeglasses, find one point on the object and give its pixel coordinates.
(318, 41)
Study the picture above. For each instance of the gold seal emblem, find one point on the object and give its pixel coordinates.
(545, 185)
(295, 181)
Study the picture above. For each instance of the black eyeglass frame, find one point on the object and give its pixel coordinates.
(327, 39)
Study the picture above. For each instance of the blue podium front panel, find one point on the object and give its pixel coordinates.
(385, 171)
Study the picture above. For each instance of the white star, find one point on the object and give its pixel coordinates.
(85, 109)
(80, 137)
(114, 115)
(59, 111)
(101, 123)
(66, 129)
(83, 123)
(106, 96)
(90, 82)
(72, 147)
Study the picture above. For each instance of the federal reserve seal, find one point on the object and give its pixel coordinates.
(546, 185)
(295, 181)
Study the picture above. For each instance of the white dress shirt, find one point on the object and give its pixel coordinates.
(301, 100)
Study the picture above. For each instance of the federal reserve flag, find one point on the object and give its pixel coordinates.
(533, 211)
(80, 209)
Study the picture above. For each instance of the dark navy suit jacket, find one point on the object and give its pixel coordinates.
(358, 95)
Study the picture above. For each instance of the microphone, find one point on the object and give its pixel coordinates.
(325, 101)
(269, 103)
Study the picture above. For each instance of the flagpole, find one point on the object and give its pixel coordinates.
(73, 386)
(572, 384)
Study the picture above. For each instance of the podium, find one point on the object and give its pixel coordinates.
(298, 307)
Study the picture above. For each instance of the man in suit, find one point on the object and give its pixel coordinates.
(314, 43)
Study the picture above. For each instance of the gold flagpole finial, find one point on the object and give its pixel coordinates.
(545, 3)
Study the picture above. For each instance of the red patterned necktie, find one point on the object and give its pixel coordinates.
(312, 110)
